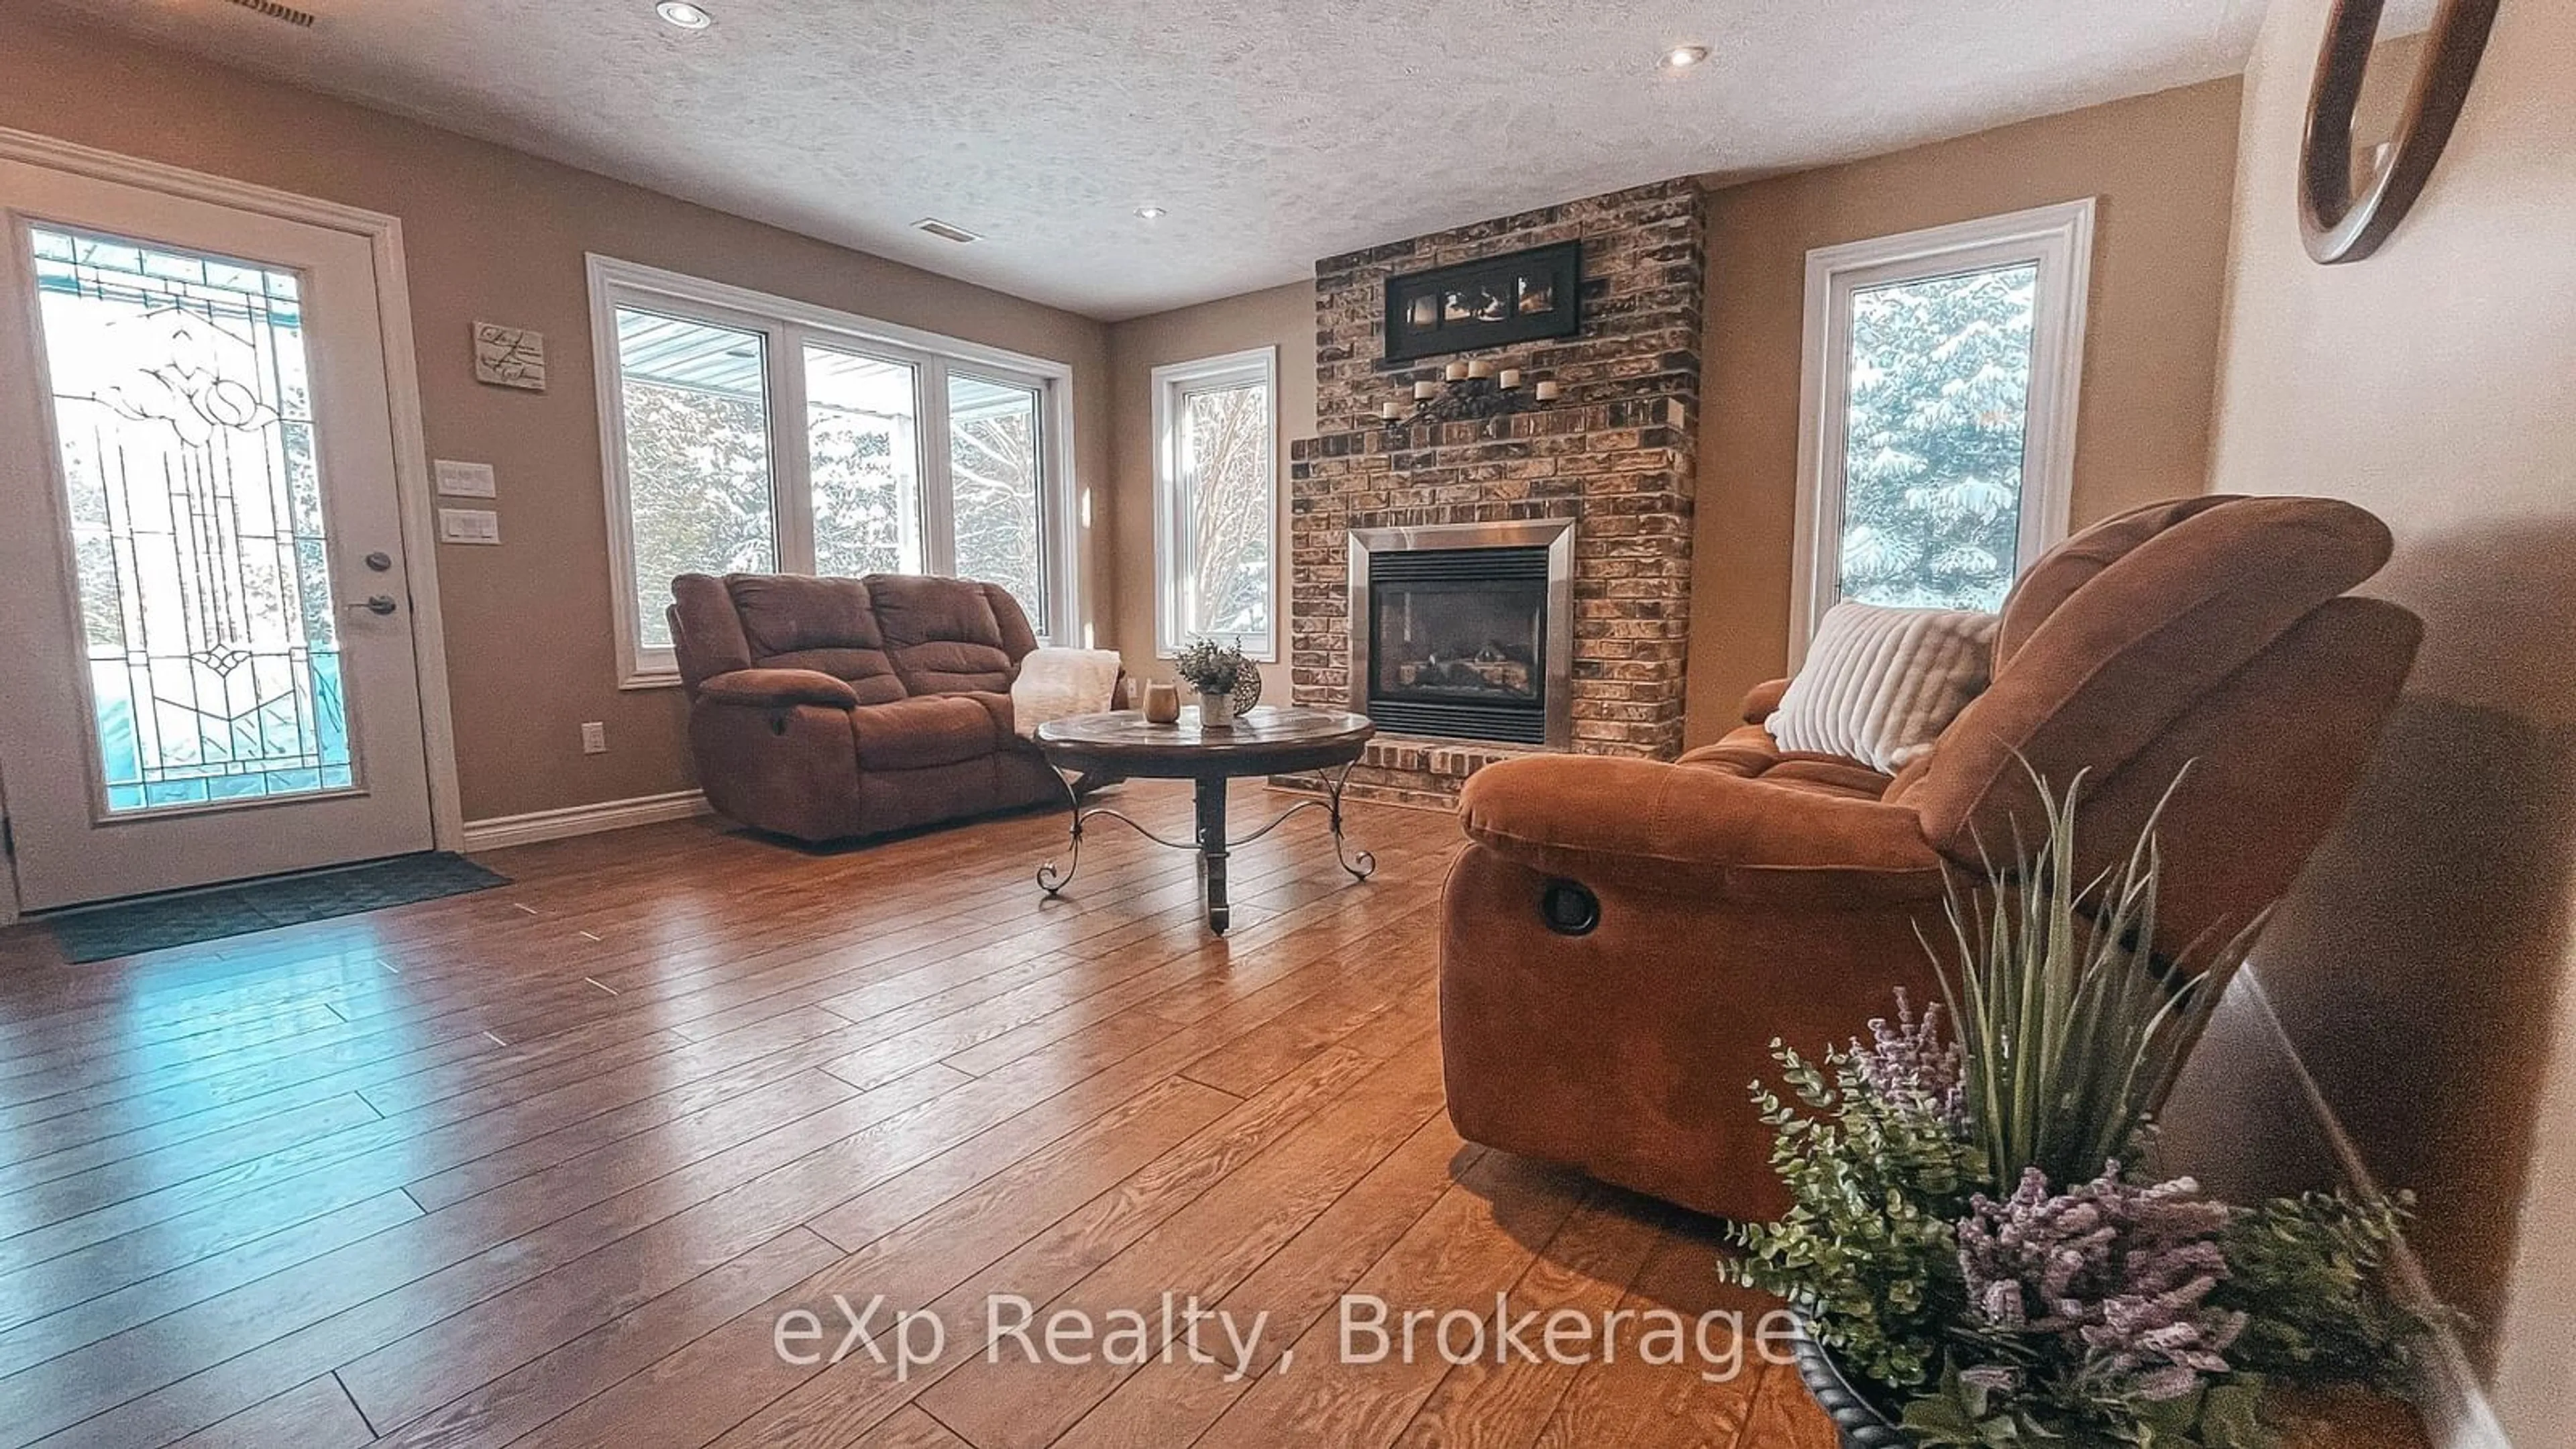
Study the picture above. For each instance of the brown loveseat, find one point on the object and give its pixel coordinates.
(824, 708)
(1747, 893)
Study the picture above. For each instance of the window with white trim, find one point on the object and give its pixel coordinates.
(1937, 439)
(1216, 502)
(751, 433)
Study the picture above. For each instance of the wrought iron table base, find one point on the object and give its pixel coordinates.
(1209, 839)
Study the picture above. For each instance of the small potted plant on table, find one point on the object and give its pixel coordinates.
(1218, 672)
(1979, 1248)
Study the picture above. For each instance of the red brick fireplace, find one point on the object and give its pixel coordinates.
(1613, 455)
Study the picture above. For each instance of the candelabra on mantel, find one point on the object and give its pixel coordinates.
(1468, 390)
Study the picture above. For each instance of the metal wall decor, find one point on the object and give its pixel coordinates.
(1464, 396)
(2375, 130)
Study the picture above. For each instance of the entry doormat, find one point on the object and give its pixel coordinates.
(184, 918)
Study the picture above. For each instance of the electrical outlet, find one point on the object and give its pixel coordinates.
(594, 738)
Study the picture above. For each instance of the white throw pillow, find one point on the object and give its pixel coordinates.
(1056, 683)
(1880, 684)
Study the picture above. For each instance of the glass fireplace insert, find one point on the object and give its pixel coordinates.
(1464, 632)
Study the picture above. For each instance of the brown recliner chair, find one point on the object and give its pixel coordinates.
(1747, 893)
(826, 708)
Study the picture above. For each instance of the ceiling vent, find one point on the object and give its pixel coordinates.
(942, 230)
(275, 11)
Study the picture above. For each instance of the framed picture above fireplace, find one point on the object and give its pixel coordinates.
(1486, 303)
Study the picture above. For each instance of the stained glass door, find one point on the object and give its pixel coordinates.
(215, 591)
(184, 419)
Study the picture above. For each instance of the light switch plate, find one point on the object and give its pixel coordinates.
(466, 480)
(469, 525)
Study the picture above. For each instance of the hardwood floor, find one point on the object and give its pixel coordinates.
(547, 1164)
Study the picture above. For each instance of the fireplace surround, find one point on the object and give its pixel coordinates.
(1612, 453)
(1465, 631)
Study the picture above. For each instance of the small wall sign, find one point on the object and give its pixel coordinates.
(510, 356)
(1487, 303)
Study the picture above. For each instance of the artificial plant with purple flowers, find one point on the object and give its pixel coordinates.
(2118, 1273)
(1975, 1237)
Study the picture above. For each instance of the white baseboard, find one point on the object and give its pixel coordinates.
(536, 825)
(2457, 1413)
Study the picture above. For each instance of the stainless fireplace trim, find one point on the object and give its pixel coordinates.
(1557, 534)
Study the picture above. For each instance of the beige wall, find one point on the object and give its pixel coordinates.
(498, 235)
(2422, 966)
(1283, 317)
(2161, 166)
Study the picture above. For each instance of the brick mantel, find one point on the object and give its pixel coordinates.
(1615, 452)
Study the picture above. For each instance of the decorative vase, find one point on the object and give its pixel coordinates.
(1162, 702)
(1247, 691)
(1216, 711)
(1856, 1419)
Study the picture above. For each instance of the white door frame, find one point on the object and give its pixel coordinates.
(383, 235)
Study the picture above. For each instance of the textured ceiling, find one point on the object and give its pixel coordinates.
(1273, 132)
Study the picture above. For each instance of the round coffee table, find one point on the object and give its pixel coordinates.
(1268, 741)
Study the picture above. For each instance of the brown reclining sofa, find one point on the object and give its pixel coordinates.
(824, 708)
(1748, 892)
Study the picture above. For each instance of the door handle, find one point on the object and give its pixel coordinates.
(377, 604)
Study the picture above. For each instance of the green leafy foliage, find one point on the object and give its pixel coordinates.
(2091, 1305)
(2310, 1274)
(1959, 1413)
(1868, 1253)
(1210, 667)
(2071, 1034)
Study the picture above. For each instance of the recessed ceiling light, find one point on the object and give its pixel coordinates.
(1150, 213)
(1683, 57)
(684, 15)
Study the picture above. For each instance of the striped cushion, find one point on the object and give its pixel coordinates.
(1881, 684)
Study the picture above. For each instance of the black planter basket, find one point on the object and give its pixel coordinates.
(1855, 1418)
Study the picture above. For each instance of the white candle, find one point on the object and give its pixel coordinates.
(1511, 378)
(1480, 368)
(1425, 391)
(1388, 411)
(1545, 391)
(1455, 372)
